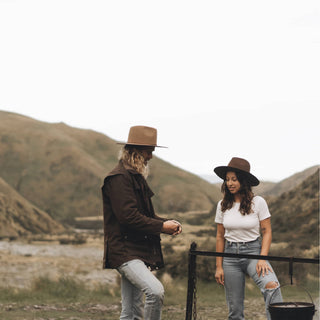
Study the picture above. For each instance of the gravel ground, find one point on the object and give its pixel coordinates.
(112, 312)
(21, 262)
(78, 311)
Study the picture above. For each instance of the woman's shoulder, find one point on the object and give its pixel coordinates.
(258, 200)
(218, 208)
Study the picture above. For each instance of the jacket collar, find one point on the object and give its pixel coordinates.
(121, 168)
(128, 168)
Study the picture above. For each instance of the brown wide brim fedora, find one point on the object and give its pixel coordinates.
(142, 136)
(237, 165)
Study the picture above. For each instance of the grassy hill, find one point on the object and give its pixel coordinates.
(264, 187)
(60, 169)
(19, 217)
(295, 215)
(276, 189)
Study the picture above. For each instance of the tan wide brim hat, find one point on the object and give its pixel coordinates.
(237, 165)
(142, 136)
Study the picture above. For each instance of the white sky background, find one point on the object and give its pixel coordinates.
(216, 78)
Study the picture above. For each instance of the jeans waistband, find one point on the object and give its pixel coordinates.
(241, 242)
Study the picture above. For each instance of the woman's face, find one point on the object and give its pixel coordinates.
(232, 182)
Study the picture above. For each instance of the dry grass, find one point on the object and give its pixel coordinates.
(53, 281)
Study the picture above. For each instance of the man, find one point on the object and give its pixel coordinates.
(132, 229)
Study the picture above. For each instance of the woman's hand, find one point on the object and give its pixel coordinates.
(219, 275)
(263, 267)
(220, 248)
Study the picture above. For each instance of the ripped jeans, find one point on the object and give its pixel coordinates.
(235, 270)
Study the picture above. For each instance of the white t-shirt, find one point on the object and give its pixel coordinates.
(243, 228)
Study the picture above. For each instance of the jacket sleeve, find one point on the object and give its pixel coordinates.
(124, 206)
(161, 219)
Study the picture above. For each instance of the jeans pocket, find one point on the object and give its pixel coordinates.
(122, 266)
(254, 246)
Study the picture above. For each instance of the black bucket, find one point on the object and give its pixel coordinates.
(292, 310)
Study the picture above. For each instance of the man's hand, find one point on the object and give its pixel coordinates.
(179, 229)
(171, 227)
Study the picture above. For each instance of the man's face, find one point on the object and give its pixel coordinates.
(147, 154)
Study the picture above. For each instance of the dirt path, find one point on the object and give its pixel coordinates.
(76, 311)
(254, 311)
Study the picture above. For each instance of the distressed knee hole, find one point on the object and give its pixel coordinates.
(272, 285)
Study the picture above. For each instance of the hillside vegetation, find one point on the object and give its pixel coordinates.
(275, 189)
(295, 216)
(61, 169)
(19, 217)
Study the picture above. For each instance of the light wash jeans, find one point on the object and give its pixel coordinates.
(235, 270)
(137, 280)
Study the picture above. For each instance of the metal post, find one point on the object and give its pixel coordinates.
(291, 270)
(192, 277)
(191, 281)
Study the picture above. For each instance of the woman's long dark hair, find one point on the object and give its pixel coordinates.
(245, 192)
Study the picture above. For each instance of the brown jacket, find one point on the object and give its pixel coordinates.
(131, 228)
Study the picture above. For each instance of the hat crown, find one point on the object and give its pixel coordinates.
(143, 136)
(239, 163)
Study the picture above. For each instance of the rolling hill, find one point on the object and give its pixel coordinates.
(295, 215)
(19, 217)
(56, 171)
(268, 189)
(60, 169)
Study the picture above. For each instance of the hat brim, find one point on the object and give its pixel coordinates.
(141, 145)
(222, 171)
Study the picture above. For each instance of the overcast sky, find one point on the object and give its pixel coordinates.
(216, 78)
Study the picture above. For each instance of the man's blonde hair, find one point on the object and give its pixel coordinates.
(133, 157)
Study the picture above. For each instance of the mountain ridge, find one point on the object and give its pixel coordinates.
(61, 169)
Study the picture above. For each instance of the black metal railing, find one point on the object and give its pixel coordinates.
(193, 253)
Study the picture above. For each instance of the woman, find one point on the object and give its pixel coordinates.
(240, 218)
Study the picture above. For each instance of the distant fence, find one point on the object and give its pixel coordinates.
(192, 277)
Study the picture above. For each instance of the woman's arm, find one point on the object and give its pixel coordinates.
(219, 248)
(265, 227)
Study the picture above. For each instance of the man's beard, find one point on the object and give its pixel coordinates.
(146, 171)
